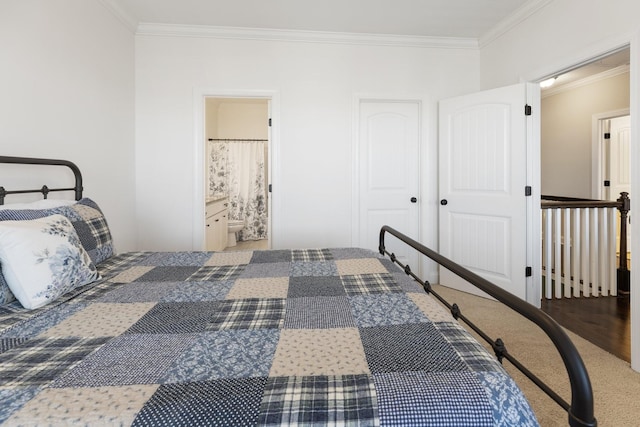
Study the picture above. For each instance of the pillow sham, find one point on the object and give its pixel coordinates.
(43, 259)
(6, 296)
(87, 219)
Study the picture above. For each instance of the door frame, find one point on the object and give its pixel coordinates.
(358, 99)
(586, 56)
(199, 161)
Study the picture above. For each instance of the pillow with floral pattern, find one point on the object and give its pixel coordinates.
(43, 259)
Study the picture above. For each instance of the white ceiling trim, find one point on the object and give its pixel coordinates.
(586, 81)
(127, 20)
(151, 29)
(521, 14)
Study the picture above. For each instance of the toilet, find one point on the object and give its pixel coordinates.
(233, 227)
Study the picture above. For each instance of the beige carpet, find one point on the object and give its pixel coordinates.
(616, 387)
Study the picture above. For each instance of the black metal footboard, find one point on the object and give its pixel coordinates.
(44, 190)
(580, 410)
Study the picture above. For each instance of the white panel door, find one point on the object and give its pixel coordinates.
(619, 173)
(482, 179)
(388, 164)
(619, 164)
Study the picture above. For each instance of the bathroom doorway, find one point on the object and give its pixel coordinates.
(237, 136)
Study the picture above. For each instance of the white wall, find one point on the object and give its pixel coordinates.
(67, 91)
(564, 33)
(316, 85)
(566, 128)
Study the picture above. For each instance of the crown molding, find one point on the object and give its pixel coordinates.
(128, 20)
(240, 33)
(586, 81)
(520, 15)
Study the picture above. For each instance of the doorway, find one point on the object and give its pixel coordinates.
(577, 164)
(237, 167)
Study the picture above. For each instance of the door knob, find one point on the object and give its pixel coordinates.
(443, 202)
(414, 200)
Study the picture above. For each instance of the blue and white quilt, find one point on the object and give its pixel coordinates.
(280, 337)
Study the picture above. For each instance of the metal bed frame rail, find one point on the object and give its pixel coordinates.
(580, 411)
(44, 190)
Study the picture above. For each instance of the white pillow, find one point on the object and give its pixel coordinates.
(43, 259)
(39, 204)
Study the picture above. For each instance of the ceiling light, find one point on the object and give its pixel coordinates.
(548, 82)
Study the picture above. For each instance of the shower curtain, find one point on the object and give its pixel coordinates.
(236, 169)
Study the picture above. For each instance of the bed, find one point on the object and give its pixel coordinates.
(333, 336)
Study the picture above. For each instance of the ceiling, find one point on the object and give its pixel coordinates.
(429, 18)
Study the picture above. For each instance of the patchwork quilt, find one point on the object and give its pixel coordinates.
(280, 337)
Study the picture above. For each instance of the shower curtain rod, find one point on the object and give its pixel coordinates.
(237, 140)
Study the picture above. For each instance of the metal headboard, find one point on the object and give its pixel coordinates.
(44, 190)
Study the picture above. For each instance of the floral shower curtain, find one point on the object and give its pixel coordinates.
(236, 169)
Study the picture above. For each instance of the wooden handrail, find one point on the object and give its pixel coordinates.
(623, 204)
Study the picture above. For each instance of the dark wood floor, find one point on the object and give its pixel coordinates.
(603, 321)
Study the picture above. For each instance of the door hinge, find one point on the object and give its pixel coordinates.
(527, 110)
(607, 135)
(527, 190)
(269, 188)
(528, 272)
(607, 183)
(269, 122)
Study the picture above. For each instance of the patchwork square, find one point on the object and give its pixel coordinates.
(131, 274)
(118, 263)
(430, 307)
(255, 313)
(318, 313)
(406, 283)
(41, 360)
(225, 402)
(171, 259)
(304, 286)
(348, 267)
(393, 349)
(139, 292)
(369, 284)
(427, 399)
(167, 274)
(42, 319)
(126, 360)
(212, 273)
(303, 352)
(94, 406)
(313, 268)
(175, 318)
(346, 400)
(351, 253)
(207, 357)
(276, 269)
(385, 309)
(99, 320)
(271, 256)
(470, 351)
(198, 291)
(268, 287)
(229, 258)
(311, 255)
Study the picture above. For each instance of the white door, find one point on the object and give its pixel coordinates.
(388, 148)
(619, 155)
(483, 172)
(619, 176)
